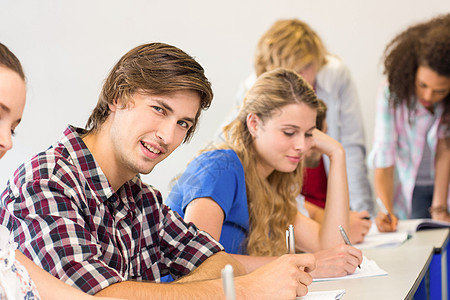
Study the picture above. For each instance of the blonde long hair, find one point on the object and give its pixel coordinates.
(289, 44)
(271, 202)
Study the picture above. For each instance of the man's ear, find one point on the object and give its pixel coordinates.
(252, 124)
(113, 106)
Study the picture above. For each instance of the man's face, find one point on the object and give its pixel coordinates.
(149, 129)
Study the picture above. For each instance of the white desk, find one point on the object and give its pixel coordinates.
(405, 264)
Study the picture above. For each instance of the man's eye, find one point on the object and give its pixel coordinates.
(183, 124)
(158, 109)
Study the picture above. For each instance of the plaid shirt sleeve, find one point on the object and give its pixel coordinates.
(182, 246)
(385, 136)
(47, 220)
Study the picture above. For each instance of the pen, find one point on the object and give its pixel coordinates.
(384, 209)
(228, 282)
(290, 239)
(345, 237)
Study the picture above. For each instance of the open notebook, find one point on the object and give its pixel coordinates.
(376, 239)
(413, 225)
(406, 228)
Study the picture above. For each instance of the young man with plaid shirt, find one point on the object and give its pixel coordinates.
(81, 212)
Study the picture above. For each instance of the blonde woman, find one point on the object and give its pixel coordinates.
(243, 192)
(293, 44)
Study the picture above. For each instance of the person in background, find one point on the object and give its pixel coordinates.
(243, 192)
(314, 202)
(411, 149)
(292, 44)
(80, 210)
(21, 278)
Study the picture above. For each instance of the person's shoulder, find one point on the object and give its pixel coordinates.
(43, 166)
(217, 161)
(333, 75)
(334, 68)
(218, 155)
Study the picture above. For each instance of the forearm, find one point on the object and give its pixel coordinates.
(442, 178)
(136, 290)
(384, 186)
(212, 267)
(251, 263)
(282, 279)
(337, 203)
(49, 287)
(316, 213)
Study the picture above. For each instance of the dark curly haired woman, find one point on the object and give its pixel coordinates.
(411, 150)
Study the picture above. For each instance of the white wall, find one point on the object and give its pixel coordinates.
(68, 47)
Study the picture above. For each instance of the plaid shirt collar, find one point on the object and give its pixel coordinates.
(81, 157)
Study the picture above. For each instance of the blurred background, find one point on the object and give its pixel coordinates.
(68, 47)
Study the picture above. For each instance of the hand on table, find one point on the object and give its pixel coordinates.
(286, 277)
(386, 223)
(360, 224)
(337, 261)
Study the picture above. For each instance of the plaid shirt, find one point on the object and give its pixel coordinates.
(65, 216)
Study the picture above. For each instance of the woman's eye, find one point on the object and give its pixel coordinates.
(308, 135)
(288, 133)
(441, 92)
(422, 85)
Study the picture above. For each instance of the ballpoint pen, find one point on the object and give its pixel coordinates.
(228, 282)
(345, 237)
(290, 239)
(384, 209)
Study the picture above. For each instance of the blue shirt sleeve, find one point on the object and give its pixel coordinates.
(217, 174)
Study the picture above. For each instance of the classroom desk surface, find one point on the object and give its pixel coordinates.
(406, 266)
(438, 238)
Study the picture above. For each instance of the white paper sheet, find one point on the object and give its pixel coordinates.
(323, 295)
(369, 268)
(376, 239)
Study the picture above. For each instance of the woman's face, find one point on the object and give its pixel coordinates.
(431, 88)
(282, 140)
(12, 102)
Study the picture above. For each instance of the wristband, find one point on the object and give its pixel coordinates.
(438, 209)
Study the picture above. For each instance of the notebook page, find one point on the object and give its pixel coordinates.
(323, 295)
(369, 268)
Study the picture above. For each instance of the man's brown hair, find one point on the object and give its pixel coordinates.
(154, 69)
